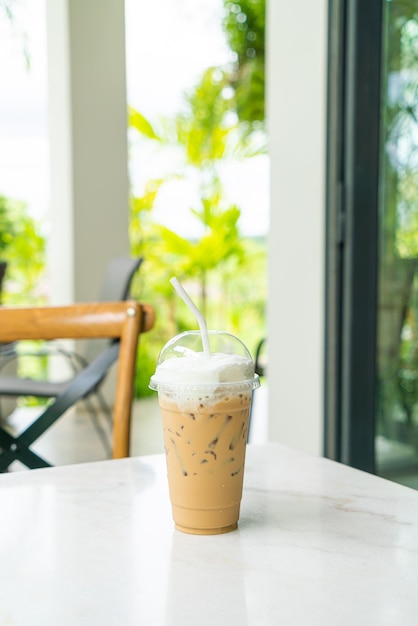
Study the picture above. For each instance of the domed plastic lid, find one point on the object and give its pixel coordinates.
(182, 363)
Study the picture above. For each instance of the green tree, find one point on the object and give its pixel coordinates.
(221, 122)
(244, 24)
(22, 245)
(206, 134)
(398, 330)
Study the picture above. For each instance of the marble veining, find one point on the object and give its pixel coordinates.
(318, 544)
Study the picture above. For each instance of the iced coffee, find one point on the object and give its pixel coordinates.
(205, 406)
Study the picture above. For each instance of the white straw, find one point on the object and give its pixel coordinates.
(198, 315)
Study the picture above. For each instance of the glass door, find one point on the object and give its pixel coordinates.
(371, 394)
(396, 437)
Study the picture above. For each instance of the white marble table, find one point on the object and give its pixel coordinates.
(318, 544)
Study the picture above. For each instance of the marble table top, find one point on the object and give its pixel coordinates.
(318, 544)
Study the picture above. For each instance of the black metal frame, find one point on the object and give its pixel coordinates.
(17, 448)
(354, 79)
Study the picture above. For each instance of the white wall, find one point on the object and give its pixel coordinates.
(296, 86)
(89, 209)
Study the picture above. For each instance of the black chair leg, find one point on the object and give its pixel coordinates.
(12, 449)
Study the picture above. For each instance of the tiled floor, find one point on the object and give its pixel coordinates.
(74, 438)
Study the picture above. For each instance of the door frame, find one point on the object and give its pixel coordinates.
(353, 148)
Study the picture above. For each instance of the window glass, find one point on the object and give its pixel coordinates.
(397, 345)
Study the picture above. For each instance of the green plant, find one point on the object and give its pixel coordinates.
(22, 245)
(219, 268)
(244, 25)
(221, 121)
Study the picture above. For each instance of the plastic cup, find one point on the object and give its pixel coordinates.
(205, 407)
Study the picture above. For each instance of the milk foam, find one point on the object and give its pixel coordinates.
(195, 368)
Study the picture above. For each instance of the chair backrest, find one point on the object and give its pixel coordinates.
(116, 285)
(122, 321)
(117, 279)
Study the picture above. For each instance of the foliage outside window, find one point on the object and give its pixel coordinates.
(398, 287)
(222, 120)
(22, 246)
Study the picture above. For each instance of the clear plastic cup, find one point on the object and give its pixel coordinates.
(205, 406)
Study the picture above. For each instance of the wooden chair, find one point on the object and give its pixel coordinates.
(120, 321)
(116, 285)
